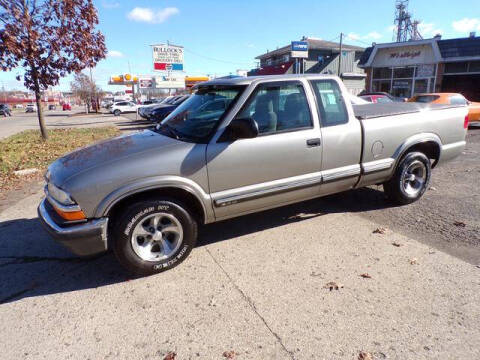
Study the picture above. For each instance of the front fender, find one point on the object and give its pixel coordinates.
(157, 182)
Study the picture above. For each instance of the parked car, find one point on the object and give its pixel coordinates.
(281, 139)
(123, 107)
(393, 98)
(31, 108)
(145, 111)
(376, 98)
(66, 107)
(163, 110)
(18, 106)
(450, 99)
(5, 110)
(52, 107)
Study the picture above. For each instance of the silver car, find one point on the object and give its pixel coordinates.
(238, 146)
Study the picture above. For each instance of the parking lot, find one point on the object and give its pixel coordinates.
(256, 285)
(20, 121)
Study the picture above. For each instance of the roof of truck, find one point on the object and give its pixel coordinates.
(248, 80)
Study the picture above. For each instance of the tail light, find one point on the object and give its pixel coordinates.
(465, 122)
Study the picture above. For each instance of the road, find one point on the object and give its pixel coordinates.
(254, 285)
(21, 121)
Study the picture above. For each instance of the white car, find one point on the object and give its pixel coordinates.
(31, 108)
(123, 107)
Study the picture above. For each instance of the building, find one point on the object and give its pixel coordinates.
(432, 65)
(323, 58)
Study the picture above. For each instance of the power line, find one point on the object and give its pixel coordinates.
(218, 60)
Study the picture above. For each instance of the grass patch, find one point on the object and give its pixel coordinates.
(27, 150)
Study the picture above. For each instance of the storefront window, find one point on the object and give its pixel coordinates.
(381, 86)
(456, 67)
(474, 66)
(382, 73)
(401, 73)
(402, 88)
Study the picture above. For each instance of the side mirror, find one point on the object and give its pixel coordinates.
(245, 128)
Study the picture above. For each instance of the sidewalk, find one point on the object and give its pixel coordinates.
(249, 287)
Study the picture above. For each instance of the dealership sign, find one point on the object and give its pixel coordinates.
(299, 49)
(404, 55)
(167, 57)
(170, 82)
(145, 83)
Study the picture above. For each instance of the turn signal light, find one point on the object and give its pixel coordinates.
(465, 123)
(70, 216)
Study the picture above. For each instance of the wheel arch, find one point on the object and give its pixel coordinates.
(183, 190)
(427, 143)
(184, 196)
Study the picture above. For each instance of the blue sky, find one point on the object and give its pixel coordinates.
(222, 36)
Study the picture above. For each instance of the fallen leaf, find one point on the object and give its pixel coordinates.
(380, 230)
(366, 276)
(332, 285)
(396, 244)
(365, 356)
(414, 261)
(229, 354)
(170, 356)
(212, 302)
(459, 224)
(433, 188)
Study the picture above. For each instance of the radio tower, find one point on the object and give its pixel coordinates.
(405, 29)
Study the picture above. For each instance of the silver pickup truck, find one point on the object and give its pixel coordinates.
(235, 147)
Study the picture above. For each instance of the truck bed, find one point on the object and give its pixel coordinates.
(369, 111)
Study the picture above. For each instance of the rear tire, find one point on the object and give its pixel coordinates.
(152, 236)
(410, 180)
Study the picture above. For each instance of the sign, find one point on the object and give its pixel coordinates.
(145, 83)
(404, 56)
(167, 57)
(425, 71)
(299, 49)
(170, 82)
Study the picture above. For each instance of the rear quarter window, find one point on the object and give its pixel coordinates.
(330, 101)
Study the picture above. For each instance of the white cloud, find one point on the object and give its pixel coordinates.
(114, 53)
(373, 35)
(152, 16)
(110, 4)
(466, 25)
(250, 45)
(429, 30)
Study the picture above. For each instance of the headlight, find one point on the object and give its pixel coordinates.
(58, 194)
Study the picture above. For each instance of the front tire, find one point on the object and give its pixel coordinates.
(410, 180)
(117, 112)
(152, 236)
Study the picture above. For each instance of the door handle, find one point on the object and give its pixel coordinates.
(313, 142)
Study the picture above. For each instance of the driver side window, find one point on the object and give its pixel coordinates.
(278, 107)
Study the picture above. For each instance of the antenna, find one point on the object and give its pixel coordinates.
(404, 28)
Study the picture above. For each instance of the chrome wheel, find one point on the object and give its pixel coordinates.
(414, 178)
(157, 237)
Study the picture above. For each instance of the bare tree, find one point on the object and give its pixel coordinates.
(85, 89)
(49, 39)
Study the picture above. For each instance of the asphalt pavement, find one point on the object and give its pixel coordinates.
(257, 286)
(20, 121)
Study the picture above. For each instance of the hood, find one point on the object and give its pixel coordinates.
(105, 152)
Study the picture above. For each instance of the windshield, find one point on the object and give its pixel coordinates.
(426, 98)
(196, 118)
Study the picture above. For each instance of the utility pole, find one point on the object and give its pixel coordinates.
(340, 55)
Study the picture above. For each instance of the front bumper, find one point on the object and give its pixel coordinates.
(85, 239)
